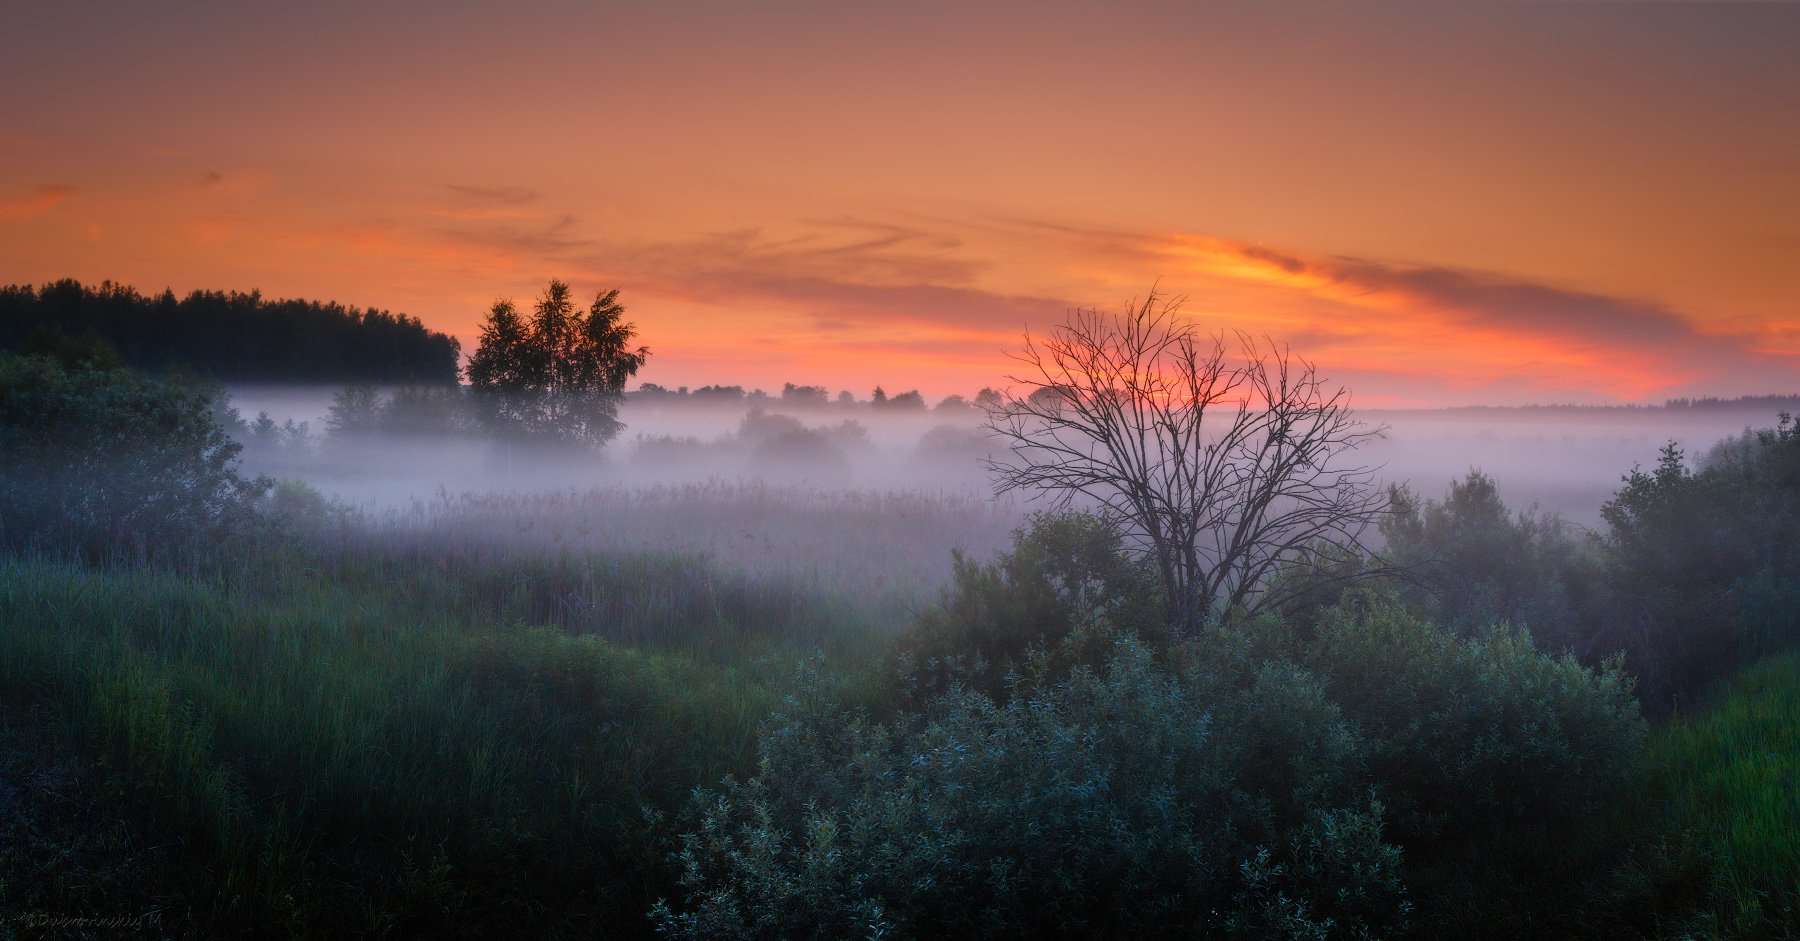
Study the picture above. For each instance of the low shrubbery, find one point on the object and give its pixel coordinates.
(1262, 779)
(1063, 569)
(101, 460)
(1706, 561)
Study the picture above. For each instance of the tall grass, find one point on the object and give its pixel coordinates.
(348, 754)
(1732, 778)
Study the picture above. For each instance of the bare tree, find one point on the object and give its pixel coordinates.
(1222, 468)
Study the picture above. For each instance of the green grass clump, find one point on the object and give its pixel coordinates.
(336, 757)
(1732, 776)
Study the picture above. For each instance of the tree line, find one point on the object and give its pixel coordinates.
(232, 336)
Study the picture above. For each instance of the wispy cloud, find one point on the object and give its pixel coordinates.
(1488, 327)
(42, 199)
(491, 195)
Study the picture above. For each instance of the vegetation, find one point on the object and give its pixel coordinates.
(236, 337)
(1221, 470)
(558, 377)
(234, 707)
(103, 459)
(1730, 779)
(1707, 562)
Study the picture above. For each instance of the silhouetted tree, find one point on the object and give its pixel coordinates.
(804, 395)
(1704, 561)
(910, 401)
(1221, 471)
(558, 377)
(355, 410)
(720, 393)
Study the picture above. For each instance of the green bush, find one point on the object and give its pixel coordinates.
(107, 460)
(1472, 562)
(1266, 778)
(1705, 563)
(1470, 736)
(1064, 569)
(1102, 802)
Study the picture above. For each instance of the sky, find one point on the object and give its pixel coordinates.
(1436, 203)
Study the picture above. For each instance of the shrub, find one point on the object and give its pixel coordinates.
(100, 460)
(1704, 562)
(1266, 778)
(1471, 562)
(1063, 568)
(1103, 802)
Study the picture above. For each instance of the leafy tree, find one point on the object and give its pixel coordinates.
(804, 395)
(1704, 562)
(720, 393)
(1473, 562)
(355, 410)
(558, 377)
(910, 401)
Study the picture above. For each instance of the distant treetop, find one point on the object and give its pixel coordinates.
(233, 336)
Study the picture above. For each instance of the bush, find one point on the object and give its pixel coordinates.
(1705, 562)
(1100, 803)
(1262, 779)
(101, 460)
(1063, 568)
(1472, 562)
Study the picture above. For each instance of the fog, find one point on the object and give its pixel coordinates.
(804, 491)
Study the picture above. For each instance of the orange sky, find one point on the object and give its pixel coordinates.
(1440, 203)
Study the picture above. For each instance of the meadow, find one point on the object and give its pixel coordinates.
(780, 708)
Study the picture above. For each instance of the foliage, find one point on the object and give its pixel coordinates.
(110, 460)
(355, 410)
(1730, 779)
(1705, 562)
(1225, 470)
(1483, 733)
(371, 739)
(558, 377)
(1064, 569)
(1472, 562)
(1101, 803)
(1259, 779)
(235, 336)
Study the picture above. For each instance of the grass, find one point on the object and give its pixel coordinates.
(1732, 779)
(376, 744)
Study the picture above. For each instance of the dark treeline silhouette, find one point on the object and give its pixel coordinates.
(234, 336)
(1762, 404)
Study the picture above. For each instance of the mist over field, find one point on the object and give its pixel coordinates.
(1567, 460)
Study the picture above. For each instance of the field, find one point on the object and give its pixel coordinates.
(524, 711)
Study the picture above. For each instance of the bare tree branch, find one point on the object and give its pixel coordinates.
(1224, 465)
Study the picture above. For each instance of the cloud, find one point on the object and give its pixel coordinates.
(840, 275)
(542, 237)
(243, 180)
(491, 195)
(1490, 328)
(43, 198)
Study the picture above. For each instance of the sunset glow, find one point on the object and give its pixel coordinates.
(1436, 203)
